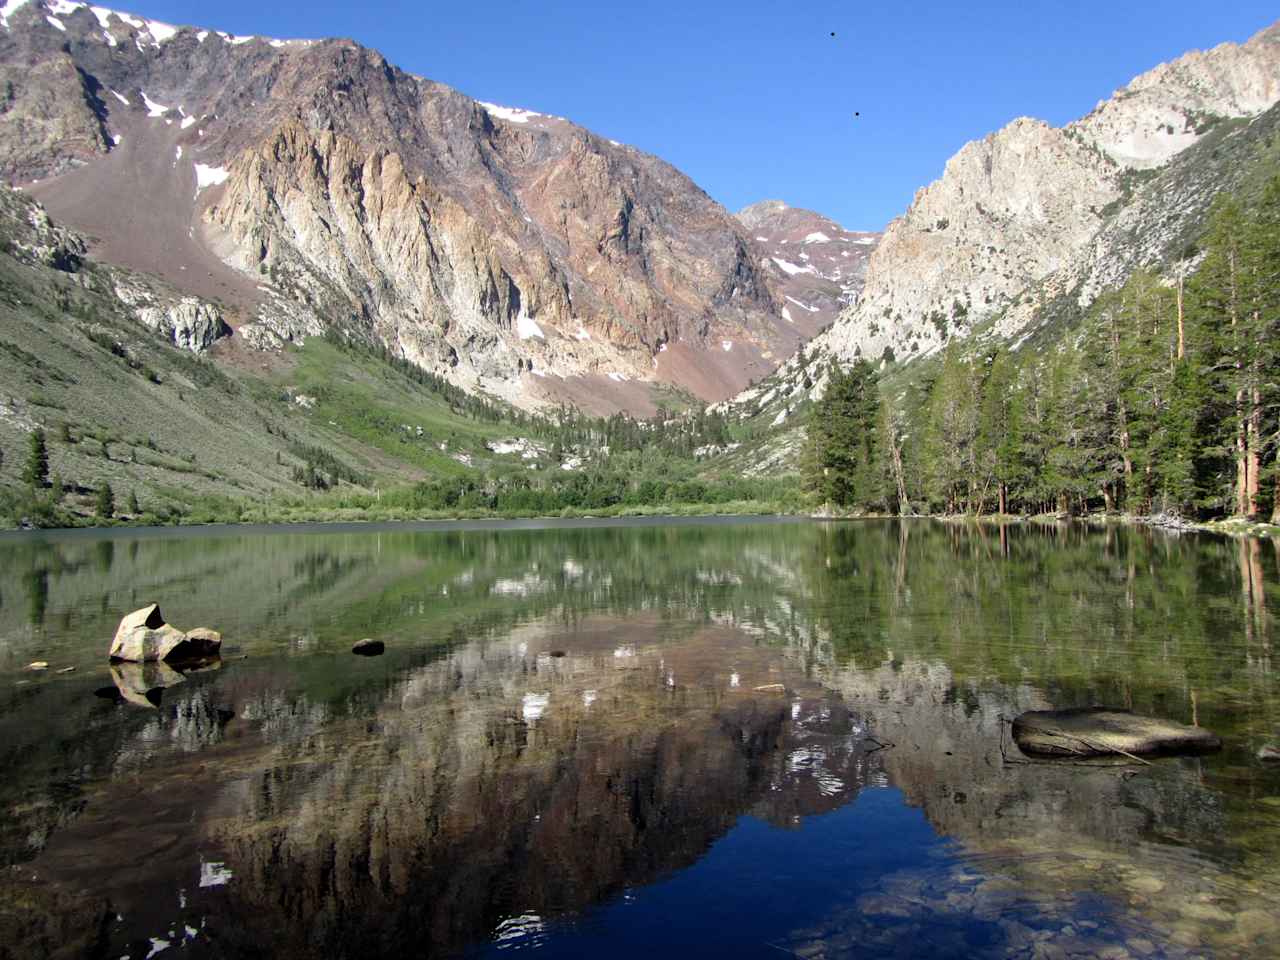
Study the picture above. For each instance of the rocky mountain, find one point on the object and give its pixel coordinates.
(1033, 205)
(818, 266)
(302, 185)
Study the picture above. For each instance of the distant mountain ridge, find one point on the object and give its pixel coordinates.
(304, 185)
(1033, 220)
(818, 265)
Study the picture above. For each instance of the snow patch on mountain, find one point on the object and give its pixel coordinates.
(511, 114)
(209, 176)
(527, 328)
(154, 110)
(790, 268)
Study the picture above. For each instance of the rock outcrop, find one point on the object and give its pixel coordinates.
(188, 324)
(1165, 110)
(32, 237)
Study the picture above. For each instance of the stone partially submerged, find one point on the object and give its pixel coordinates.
(144, 637)
(1102, 731)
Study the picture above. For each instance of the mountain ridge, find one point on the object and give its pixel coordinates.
(577, 269)
(1022, 217)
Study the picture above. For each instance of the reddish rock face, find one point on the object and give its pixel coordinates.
(312, 184)
(817, 265)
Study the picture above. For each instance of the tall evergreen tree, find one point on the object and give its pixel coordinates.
(106, 501)
(36, 472)
(841, 461)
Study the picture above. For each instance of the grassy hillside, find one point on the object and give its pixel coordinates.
(325, 429)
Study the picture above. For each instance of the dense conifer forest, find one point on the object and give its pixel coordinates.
(1164, 400)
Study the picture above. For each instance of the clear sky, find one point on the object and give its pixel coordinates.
(756, 100)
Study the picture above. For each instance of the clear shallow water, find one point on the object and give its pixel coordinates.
(703, 738)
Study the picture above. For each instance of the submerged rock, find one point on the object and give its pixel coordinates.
(368, 648)
(1101, 731)
(144, 637)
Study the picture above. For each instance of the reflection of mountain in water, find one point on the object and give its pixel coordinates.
(473, 783)
(500, 782)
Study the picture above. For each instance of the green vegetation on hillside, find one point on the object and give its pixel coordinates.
(333, 428)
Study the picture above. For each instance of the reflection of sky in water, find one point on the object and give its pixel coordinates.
(634, 746)
(870, 879)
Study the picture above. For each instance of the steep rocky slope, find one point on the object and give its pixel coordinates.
(307, 184)
(818, 265)
(1030, 201)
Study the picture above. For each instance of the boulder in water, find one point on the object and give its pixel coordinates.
(1103, 731)
(368, 648)
(144, 637)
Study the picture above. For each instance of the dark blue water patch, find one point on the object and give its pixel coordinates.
(752, 889)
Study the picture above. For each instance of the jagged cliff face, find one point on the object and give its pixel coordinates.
(817, 265)
(1167, 109)
(1029, 211)
(311, 184)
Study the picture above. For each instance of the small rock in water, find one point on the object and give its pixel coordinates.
(38, 665)
(1101, 731)
(368, 648)
(67, 670)
(771, 688)
(203, 642)
(1269, 752)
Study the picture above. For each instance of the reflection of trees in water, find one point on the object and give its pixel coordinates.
(424, 825)
(105, 551)
(930, 632)
(38, 596)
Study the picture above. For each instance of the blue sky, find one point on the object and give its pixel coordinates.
(756, 100)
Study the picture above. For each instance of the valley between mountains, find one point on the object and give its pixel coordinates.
(256, 278)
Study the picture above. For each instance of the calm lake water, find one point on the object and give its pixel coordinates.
(712, 738)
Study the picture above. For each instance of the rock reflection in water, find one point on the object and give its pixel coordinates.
(622, 706)
(1056, 859)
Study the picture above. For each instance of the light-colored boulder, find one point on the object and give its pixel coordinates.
(144, 637)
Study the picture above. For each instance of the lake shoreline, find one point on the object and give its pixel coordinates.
(362, 520)
(1233, 527)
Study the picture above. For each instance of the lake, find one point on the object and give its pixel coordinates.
(699, 738)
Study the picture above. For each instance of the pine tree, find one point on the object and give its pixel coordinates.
(998, 433)
(134, 508)
(840, 461)
(106, 503)
(36, 473)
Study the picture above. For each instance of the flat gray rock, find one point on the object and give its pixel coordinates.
(1102, 731)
